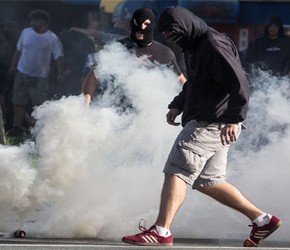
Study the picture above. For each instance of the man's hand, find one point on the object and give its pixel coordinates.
(229, 133)
(12, 71)
(171, 115)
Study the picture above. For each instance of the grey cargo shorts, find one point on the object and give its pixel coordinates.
(198, 156)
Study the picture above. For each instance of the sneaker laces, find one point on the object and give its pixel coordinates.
(142, 226)
(253, 225)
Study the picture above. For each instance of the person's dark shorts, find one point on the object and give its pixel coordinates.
(27, 89)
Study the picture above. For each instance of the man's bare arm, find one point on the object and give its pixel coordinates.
(89, 87)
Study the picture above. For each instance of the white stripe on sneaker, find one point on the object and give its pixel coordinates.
(261, 234)
(149, 239)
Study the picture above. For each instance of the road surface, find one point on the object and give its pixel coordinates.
(99, 244)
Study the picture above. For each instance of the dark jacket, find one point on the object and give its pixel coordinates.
(217, 89)
(270, 54)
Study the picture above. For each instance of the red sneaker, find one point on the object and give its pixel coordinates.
(148, 237)
(260, 233)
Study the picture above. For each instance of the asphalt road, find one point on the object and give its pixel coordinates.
(88, 244)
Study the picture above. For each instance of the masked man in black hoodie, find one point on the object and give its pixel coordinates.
(140, 42)
(214, 102)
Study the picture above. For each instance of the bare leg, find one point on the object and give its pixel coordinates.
(172, 196)
(230, 196)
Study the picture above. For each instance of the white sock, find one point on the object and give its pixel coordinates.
(163, 231)
(263, 219)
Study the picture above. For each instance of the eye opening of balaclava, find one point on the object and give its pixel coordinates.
(138, 17)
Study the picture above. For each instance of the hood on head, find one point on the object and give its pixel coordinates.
(182, 22)
(274, 19)
(138, 17)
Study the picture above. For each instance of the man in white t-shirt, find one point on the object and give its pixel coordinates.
(31, 66)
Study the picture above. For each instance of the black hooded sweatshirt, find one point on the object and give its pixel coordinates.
(217, 89)
(270, 54)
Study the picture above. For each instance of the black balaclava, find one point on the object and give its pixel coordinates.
(140, 15)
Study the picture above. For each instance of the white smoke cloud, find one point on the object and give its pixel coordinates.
(92, 166)
(95, 172)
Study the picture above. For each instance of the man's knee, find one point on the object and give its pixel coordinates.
(208, 189)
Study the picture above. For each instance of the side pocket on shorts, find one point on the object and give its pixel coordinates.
(192, 155)
(196, 147)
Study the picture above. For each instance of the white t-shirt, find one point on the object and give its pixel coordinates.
(37, 51)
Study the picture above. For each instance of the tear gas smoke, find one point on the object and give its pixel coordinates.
(96, 172)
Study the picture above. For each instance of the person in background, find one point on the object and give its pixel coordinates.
(141, 43)
(214, 103)
(31, 67)
(270, 51)
(6, 49)
(76, 48)
(10, 31)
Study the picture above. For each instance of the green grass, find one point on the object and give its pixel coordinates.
(17, 140)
